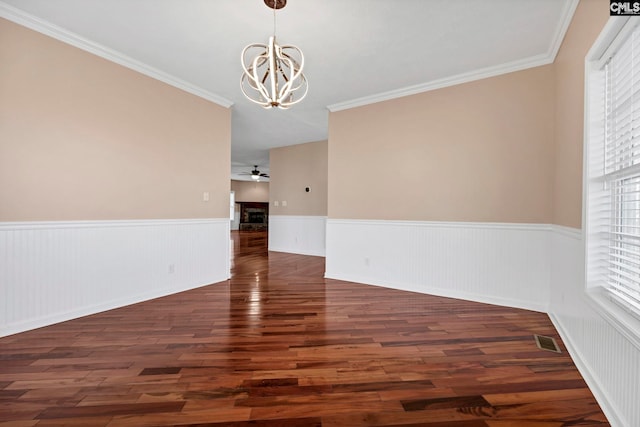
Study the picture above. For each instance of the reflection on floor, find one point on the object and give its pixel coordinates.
(279, 345)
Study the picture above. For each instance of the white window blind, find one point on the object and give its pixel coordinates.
(614, 171)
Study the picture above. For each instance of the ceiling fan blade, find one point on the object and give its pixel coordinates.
(255, 173)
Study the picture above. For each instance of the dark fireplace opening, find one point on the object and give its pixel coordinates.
(254, 216)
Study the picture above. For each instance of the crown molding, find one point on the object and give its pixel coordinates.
(442, 83)
(20, 17)
(510, 67)
(32, 22)
(561, 30)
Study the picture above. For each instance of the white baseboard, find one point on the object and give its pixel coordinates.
(588, 373)
(57, 271)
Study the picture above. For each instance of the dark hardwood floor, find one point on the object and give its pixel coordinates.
(278, 345)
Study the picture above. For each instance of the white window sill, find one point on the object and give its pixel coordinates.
(621, 318)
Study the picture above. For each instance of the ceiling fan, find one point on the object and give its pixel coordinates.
(255, 173)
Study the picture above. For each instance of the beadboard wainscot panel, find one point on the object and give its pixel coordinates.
(300, 234)
(608, 356)
(504, 264)
(56, 271)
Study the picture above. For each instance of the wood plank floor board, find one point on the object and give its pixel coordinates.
(278, 345)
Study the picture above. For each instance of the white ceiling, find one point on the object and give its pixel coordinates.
(356, 51)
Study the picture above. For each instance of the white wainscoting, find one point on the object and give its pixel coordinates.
(505, 264)
(608, 360)
(533, 266)
(297, 234)
(56, 271)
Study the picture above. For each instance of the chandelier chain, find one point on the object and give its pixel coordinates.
(274, 18)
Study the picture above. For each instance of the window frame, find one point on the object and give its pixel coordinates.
(618, 312)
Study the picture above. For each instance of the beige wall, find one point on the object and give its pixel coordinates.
(294, 168)
(588, 21)
(246, 191)
(82, 138)
(479, 151)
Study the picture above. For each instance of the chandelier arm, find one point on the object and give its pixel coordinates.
(249, 81)
(261, 88)
(263, 59)
(284, 75)
(252, 77)
(298, 67)
(251, 46)
(273, 66)
(303, 82)
(262, 104)
(297, 49)
(264, 78)
(252, 82)
(300, 82)
(249, 71)
(295, 73)
(285, 105)
(291, 57)
(286, 88)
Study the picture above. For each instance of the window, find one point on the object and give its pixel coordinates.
(613, 164)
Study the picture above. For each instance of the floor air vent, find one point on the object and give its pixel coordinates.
(546, 343)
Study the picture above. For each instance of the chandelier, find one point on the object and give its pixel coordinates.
(273, 76)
